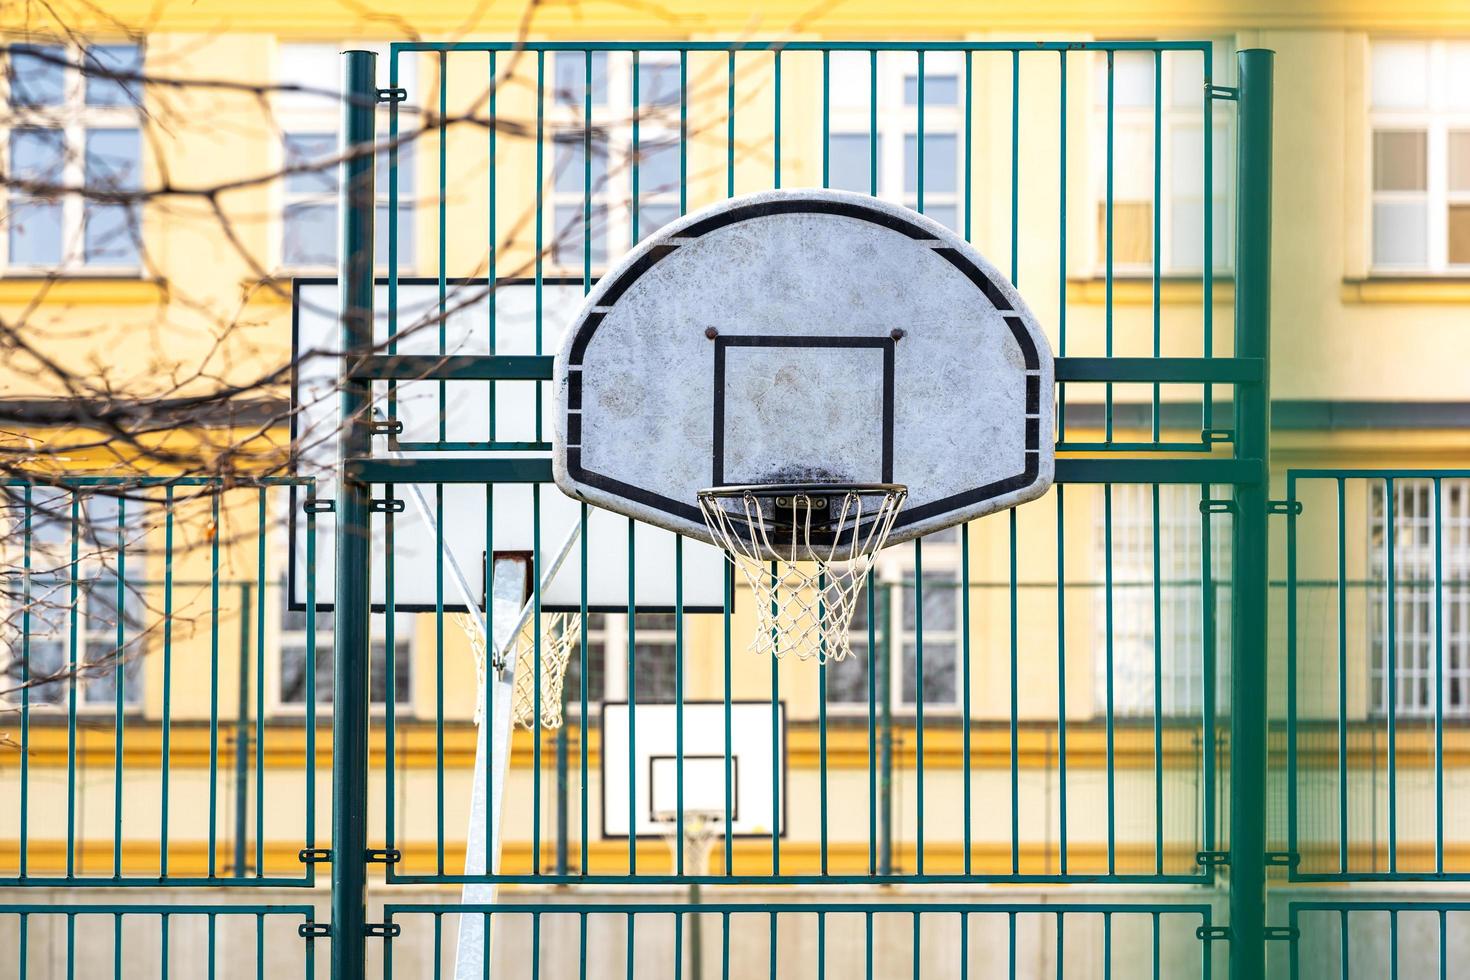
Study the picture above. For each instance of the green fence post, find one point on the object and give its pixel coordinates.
(242, 734)
(351, 657)
(1249, 590)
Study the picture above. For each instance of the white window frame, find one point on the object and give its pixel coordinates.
(612, 126)
(1174, 118)
(1414, 623)
(315, 113)
(897, 120)
(1181, 597)
(1436, 119)
(75, 118)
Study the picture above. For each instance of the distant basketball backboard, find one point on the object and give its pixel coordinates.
(804, 337)
(757, 767)
(459, 420)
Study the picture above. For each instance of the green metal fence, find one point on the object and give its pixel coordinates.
(1159, 887)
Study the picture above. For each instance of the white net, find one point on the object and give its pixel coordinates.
(559, 636)
(805, 553)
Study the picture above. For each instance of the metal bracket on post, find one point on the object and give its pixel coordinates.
(314, 930)
(1223, 92)
(390, 96)
(319, 505)
(391, 855)
(383, 930)
(1213, 934)
(1291, 508)
(1283, 859)
(390, 505)
(1210, 506)
(1212, 859)
(314, 855)
(386, 426)
(1213, 435)
(1283, 933)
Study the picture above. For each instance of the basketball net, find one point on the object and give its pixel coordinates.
(559, 636)
(805, 556)
(700, 832)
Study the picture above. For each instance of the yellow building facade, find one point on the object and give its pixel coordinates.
(1371, 292)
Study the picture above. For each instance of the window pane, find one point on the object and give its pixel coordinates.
(1399, 160)
(571, 78)
(1400, 74)
(653, 672)
(1186, 74)
(1459, 176)
(658, 83)
(1133, 232)
(1458, 221)
(1133, 79)
(941, 602)
(652, 217)
(104, 60)
(35, 233)
(939, 163)
(566, 247)
(113, 159)
(100, 684)
(378, 673)
(847, 162)
(309, 150)
(570, 164)
(938, 90)
(939, 674)
(384, 229)
(1457, 71)
(1399, 235)
(111, 235)
(310, 235)
(37, 154)
(847, 679)
(658, 168)
(1187, 229)
(37, 75)
(48, 657)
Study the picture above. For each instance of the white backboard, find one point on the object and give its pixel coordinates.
(460, 510)
(804, 336)
(757, 765)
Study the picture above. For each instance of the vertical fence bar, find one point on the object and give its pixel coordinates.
(353, 553)
(1248, 679)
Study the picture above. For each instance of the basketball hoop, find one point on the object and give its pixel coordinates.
(558, 638)
(700, 831)
(806, 550)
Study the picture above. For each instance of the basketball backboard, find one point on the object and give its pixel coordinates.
(757, 767)
(804, 337)
(521, 422)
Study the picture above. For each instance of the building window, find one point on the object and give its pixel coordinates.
(105, 609)
(296, 642)
(655, 656)
(1420, 156)
(899, 177)
(75, 116)
(1414, 628)
(896, 634)
(1180, 163)
(1178, 641)
(602, 202)
(308, 112)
